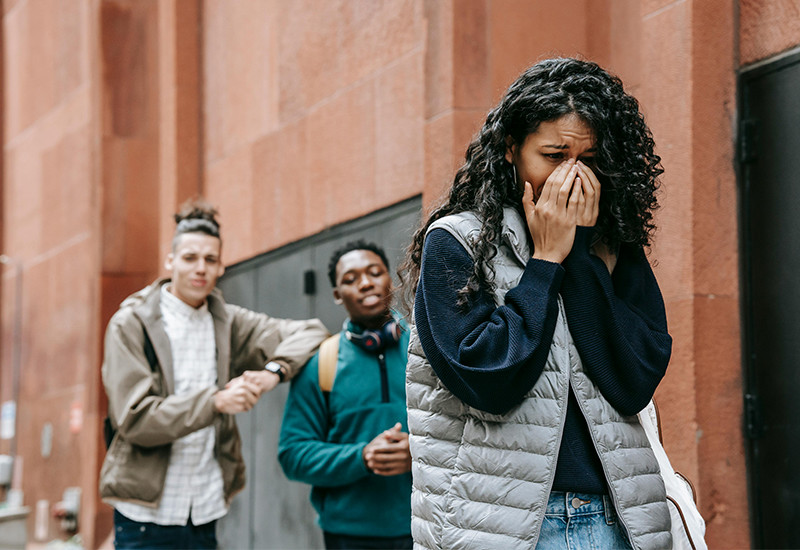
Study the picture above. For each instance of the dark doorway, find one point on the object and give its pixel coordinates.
(292, 282)
(770, 208)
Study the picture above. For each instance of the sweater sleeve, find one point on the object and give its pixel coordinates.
(303, 451)
(488, 356)
(618, 322)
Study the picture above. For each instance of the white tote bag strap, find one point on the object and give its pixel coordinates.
(688, 526)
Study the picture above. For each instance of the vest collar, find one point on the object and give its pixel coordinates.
(515, 234)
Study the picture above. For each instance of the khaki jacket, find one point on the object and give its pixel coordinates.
(147, 415)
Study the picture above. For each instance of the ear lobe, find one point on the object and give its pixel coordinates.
(510, 148)
(337, 298)
(168, 262)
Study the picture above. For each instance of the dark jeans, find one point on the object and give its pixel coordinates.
(135, 534)
(348, 542)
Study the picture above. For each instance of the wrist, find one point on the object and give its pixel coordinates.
(552, 258)
(215, 402)
(277, 369)
(364, 458)
(583, 237)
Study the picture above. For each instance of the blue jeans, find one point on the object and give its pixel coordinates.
(135, 534)
(347, 542)
(580, 521)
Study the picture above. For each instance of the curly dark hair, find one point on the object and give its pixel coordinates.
(196, 216)
(626, 165)
(360, 244)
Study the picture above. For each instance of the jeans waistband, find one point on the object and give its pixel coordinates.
(567, 504)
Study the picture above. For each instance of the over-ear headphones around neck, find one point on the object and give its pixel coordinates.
(375, 340)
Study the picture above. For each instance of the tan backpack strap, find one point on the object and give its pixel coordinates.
(328, 358)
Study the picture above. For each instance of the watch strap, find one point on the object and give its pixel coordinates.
(274, 366)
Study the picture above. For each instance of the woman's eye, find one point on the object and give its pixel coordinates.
(554, 156)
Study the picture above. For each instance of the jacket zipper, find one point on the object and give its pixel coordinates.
(611, 490)
(551, 480)
(384, 378)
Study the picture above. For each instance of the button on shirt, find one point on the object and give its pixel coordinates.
(194, 480)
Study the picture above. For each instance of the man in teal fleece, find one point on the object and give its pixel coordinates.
(351, 443)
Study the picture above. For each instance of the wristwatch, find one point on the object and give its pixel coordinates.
(274, 366)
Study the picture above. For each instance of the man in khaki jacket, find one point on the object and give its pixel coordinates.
(178, 364)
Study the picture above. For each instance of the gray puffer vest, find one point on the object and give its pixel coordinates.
(481, 480)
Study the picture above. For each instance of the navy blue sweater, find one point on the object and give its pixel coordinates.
(618, 324)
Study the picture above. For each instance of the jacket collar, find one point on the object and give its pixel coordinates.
(515, 234)
(147, 307)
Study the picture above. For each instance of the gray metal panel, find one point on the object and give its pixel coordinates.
(239, 287)
(397, 234)
(258, 515)
(281, 511)
(282, 514)
(274, 512)
(280, 285)
(771, 218)
(234, 529)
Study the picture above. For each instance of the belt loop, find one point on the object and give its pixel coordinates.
(608, 509)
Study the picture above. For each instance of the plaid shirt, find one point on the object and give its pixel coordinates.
(193, 485)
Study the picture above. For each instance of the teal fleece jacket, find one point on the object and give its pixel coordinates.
(322, 440)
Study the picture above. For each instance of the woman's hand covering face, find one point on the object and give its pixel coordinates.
(570, 197)
(564, 192)
(589, 202)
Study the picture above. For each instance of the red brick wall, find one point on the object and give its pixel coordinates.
(314, 114)
(294, 116)
(50, 225)
(767, 28)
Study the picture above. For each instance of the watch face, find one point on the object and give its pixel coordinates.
(275, 368)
